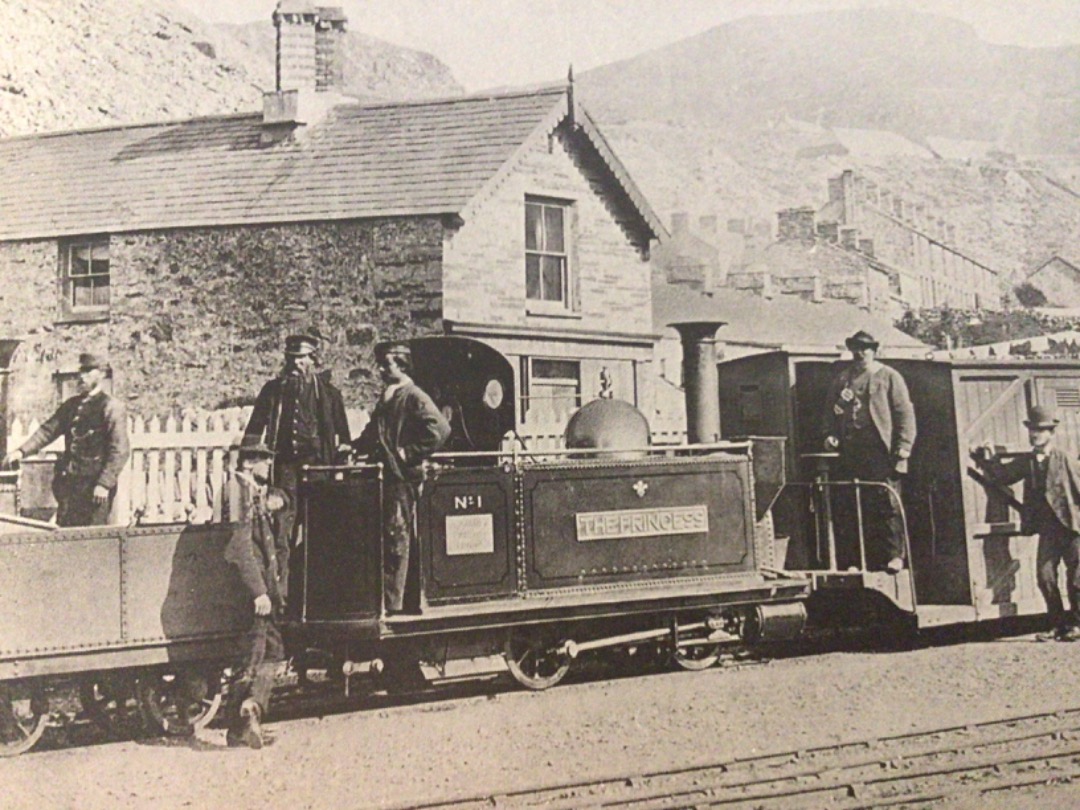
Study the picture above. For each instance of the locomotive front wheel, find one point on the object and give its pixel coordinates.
(696, 657)
(533, 661)
(177, 703)
(23, 718)
(105, 701)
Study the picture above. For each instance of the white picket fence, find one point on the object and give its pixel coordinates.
(179, 465)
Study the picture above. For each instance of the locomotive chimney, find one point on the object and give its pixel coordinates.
(701, 383)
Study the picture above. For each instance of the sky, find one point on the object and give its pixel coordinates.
(490, 43)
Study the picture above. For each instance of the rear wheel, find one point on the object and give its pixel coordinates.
(24, 714)
(696, 657)
(534, 660)
(178, 702)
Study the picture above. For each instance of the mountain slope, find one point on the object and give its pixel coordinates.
(77, 63)
(915, 74)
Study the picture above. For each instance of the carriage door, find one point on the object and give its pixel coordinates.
(991, 406)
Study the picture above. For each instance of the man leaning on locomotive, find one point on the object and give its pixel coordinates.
(94, 427)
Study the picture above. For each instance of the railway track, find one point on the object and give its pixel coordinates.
(909, 770)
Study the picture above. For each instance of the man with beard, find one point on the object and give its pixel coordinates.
(871, 423)
(300, 415)
(94, 427)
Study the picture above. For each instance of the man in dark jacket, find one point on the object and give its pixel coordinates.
(871, 423)
(261, 557)
(405, 428)
(94, 427)
(300, 415)
(1051, 509)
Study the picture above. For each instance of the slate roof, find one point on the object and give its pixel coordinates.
(783, 322)
(402, 159)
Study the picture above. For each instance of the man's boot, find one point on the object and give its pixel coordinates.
(251, 730)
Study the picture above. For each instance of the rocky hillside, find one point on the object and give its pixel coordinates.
(77, 63)
(755, 115)
(373, 69)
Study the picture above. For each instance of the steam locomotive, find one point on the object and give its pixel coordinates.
(530, 559)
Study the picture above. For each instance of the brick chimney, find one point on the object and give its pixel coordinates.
(829, 231)
(329, 49)
(308, 65)
(795, 223)
(849, 238)
(866, 247)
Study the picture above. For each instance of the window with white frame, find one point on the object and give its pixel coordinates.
(547, 253)
(550, 390)
(84, 277)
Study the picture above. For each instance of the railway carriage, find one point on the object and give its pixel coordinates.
(968, 559)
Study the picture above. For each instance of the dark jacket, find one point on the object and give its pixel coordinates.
(261, 558)
(891, 411)
(95, 439)
(1062, 487)
(333, 424)
(403, 431)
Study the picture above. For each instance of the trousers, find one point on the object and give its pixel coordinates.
(1057, 544)
(399, 538)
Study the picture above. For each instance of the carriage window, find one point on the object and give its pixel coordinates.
(547, 264)
(85, 278)
(551, 390)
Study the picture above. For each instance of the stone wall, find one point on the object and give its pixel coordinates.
(198, 316)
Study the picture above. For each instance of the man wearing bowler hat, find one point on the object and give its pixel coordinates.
(870, 422)
(94, 427)
(405, 428)
(300, 415)
(1051, 509)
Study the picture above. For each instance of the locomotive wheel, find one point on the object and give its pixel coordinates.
(105, 700)
(23, 719)
(533, 661)
(696, 657)
(177, 703)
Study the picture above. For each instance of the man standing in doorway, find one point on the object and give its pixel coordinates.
(871, 423)
(405, 428)
(94, 427)
(300, 415)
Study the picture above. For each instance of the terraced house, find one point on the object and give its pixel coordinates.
(186, 250)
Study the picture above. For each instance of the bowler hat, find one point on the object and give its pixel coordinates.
(392, 347)
(862, 339)
(1041, 417)
(253, 451)
(88, 361)
(301, 345)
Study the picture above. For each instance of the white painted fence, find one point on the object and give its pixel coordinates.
(179, 466)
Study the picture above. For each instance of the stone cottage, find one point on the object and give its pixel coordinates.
(187, 250)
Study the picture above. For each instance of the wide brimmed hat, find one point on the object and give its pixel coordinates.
(862, 339)
(398, 347)
(301, 345)
(1041, 417)
(88, 362)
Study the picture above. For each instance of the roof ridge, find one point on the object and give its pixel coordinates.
(166, 122)
(548, 90)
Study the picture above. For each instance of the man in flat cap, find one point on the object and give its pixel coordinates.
(300, 415)
(405, 428)
(870, 422)
(1051, 509)
(261, 557)
(96, 447)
